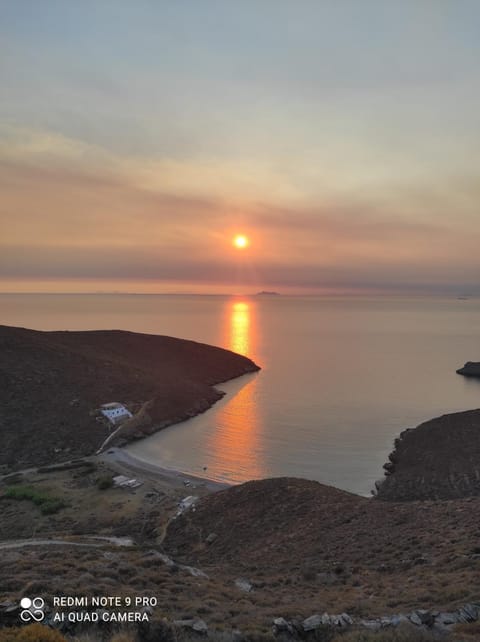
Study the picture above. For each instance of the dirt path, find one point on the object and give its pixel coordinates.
(91, 541)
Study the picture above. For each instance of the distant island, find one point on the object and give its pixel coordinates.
(470, 369)
(267, 293)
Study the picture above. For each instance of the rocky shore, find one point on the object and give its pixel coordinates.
(439, 459)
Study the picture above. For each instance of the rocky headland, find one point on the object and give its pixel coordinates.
(52, 383)
(439, 459)
(470, 369)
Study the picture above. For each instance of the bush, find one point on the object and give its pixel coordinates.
(51, 506)
(46, 503)
(104, 482)
(31, 633)
(156, 631)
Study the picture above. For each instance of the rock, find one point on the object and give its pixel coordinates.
(280, 625)
(183, 623)
(426, 617)
(470, 369)
(470, 611)
(343, 620)
(147, 609)
(371, 625)
(315, 621)
(164, 558)
(446, 619)
(200, 626)
(311, 623)
(243, 584)
(396, 620)
(415, 619)
(211, 538)
(173, 566)
(194, 572)
(196, 624)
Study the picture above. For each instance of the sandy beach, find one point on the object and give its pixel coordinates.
(124, 463)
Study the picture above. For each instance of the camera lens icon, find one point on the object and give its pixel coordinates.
(32, 609)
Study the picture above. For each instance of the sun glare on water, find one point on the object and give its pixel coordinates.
(241, 241)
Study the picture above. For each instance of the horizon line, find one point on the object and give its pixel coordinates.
(268, 294)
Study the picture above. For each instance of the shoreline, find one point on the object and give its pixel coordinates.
(122, 461)
(122, 455)
(135, 422)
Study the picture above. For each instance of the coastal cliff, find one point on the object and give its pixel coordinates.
(439, 459)
(51, 384)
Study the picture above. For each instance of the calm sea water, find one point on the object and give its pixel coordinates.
(340, 378)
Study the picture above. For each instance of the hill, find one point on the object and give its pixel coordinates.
(52, 382)
(316, 547)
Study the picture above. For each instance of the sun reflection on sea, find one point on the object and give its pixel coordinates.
(237, 441)
(240, 327)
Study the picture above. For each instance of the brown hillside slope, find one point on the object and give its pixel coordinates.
(50, 382)
(299, 534)
(440, 459)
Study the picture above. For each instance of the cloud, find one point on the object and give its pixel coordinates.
(71, 211)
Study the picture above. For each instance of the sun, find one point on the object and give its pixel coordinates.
(241, 241)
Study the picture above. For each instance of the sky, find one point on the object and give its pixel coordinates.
(342, 137)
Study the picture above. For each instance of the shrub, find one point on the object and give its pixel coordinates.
(104, 482)
(46, 503)
(156, 631)
(51, 506)
(31, 633)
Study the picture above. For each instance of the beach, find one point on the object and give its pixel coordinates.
(121, 461)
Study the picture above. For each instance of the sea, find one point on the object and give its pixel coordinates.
(340, 377)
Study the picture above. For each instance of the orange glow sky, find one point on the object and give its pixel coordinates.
(137, 139)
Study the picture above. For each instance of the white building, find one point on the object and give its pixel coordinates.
(115, 412)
